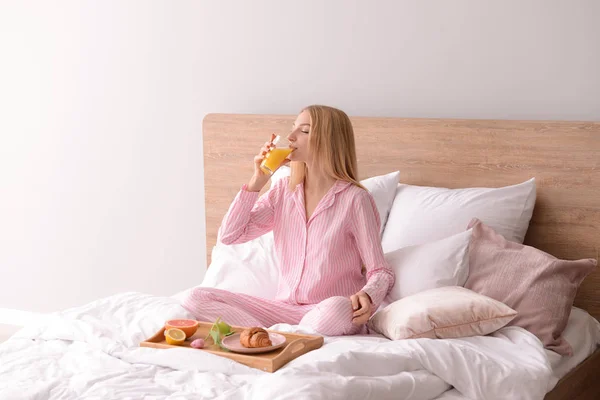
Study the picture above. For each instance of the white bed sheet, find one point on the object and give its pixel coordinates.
(582, 333)
(92, 352)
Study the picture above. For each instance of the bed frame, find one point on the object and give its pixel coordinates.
(563, 156)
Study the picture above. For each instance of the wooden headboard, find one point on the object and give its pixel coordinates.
(563, 156)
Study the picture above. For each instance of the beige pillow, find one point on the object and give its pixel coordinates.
(446, 312)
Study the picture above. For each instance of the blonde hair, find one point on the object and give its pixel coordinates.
(332, 144)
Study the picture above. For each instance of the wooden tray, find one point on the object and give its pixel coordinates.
(296, 345)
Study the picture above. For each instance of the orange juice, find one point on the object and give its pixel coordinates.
(274, 159)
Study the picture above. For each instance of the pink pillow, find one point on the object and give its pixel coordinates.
(539, 286)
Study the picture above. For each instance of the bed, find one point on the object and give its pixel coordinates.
(563, 156)
(92, 351)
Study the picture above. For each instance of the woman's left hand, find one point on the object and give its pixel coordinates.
(361, 305)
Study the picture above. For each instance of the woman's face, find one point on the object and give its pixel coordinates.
(298, 138)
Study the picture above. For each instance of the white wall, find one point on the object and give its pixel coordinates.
(101, 105)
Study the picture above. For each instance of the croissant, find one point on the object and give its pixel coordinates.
(255, 337)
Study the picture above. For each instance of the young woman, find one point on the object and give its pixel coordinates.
(333, 275)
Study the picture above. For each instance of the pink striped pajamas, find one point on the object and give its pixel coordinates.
(321, 260)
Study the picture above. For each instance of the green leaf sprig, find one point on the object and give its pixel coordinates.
(218, 330)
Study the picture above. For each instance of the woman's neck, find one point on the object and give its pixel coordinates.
(317, 181)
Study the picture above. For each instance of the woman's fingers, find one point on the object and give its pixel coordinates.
(363, 319)
(361, 305)
(360, 311)
(355, 303)
(264, 150)
(266, 147)
(364, 306)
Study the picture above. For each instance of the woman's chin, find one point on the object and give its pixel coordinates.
(296, 157)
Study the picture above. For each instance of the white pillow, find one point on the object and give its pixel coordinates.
(281, 172)
(383, 190)
(422, 214)
(249, 268)
(253, 268)
(431, 265)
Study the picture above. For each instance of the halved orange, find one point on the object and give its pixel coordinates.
(189, 326)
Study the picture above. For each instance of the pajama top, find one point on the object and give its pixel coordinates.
(324, 256)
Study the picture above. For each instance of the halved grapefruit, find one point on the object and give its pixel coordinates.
(188, 326)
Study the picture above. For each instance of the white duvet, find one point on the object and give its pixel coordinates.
(92, 352)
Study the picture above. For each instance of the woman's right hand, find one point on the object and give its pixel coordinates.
(260, 177)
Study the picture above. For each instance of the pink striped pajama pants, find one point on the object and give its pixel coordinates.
(331, 317)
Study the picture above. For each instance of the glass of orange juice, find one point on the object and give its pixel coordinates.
(275, 157)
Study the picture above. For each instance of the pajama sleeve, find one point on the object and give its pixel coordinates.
(365, 227)
(249, 216)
